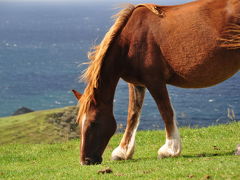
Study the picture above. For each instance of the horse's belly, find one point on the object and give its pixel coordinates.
(199, 82)
(206, 72)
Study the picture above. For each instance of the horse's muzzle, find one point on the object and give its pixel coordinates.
(92, 161)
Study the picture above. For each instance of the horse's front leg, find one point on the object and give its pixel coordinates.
(125, 149)
(172, 146)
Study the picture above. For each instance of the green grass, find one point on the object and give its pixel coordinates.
(30, 128)
(207, 154)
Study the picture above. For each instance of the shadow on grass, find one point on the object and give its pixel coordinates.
(231, 153)
(135, 160)
(201, 155)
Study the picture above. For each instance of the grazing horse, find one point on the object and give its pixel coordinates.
(193, 45)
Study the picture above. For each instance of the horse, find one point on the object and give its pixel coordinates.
(192, 45)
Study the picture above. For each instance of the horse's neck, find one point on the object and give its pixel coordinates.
(108, 80)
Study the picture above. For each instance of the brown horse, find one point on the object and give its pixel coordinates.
(193, 45)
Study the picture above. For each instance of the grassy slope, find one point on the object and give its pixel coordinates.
(29, 128)
(207, 154)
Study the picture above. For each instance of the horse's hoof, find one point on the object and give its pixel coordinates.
(117, 158)
(166, 155)
(121, 154)
(162, 156)
(118, 154)
(172, 148)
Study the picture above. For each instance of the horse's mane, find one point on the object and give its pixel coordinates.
(96, 56)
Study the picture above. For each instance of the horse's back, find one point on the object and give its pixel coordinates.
(183, 42)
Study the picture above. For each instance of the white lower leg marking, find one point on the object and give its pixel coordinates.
(132, 140)
(124, 153)
(172, 147)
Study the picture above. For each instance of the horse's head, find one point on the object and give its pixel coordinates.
(97, 126)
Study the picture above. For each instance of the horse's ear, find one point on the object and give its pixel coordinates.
(78, 95)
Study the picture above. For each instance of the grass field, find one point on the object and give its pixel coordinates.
(208, 153)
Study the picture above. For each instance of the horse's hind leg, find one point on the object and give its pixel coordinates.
(125, 149)
(172, 147)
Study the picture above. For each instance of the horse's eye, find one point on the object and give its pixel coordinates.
(93, 124)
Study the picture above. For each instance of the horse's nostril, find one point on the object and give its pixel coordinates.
(87, 161)
(92, 161)
(98, 160)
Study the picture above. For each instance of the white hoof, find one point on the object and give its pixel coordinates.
(121, 154)
(172, 148)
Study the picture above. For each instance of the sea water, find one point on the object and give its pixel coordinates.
(42, 50)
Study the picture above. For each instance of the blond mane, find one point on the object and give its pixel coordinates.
(96, 56)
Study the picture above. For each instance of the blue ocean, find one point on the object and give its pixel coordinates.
(42, 50)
